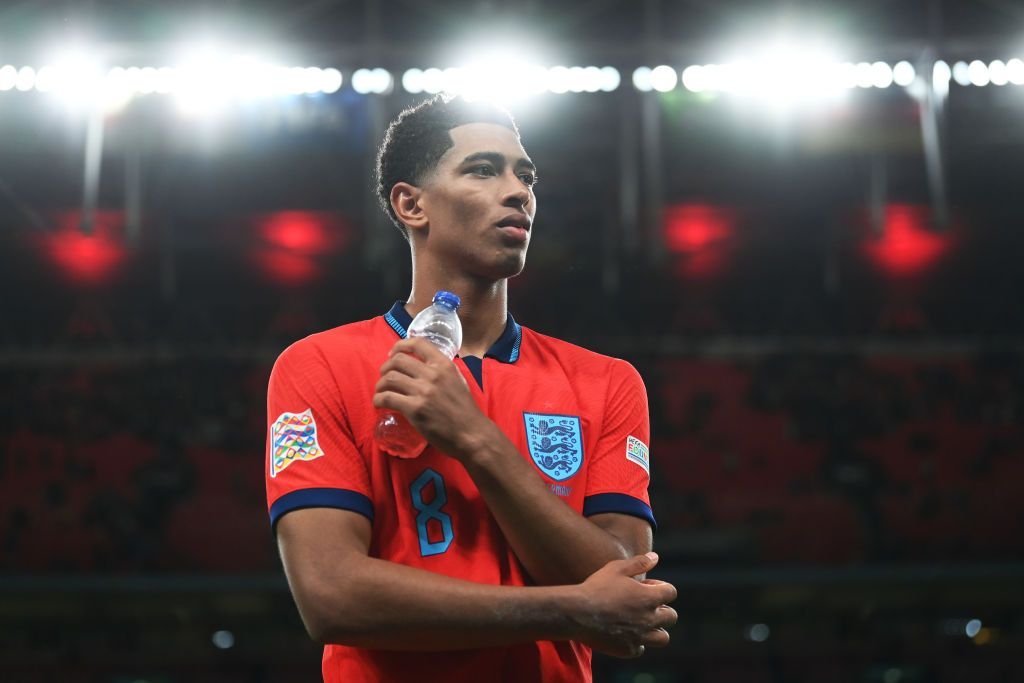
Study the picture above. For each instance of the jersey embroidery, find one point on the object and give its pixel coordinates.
(636, 451)
(293, 437)
(556, 444)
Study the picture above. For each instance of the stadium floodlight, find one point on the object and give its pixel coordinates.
(961, 74)
(8, 77)
(504, 77)
(977, 71)
(26, 79)
(76, 78)
(577, 79)
(330, 81)
(642, 80)
(559, 79)
(881, 75)
(500, 74)
(783, 75)
(941, 75)
(203, 81)
(610, 79)
(166, 78)
(664, 78)
(433, 80)
(362, 81)
(412, 81)
(864, 75)
(693, 78)
(997, 72)
(903, 74)
(1015, 71)
(46, 78)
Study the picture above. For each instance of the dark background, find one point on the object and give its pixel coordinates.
(835, 371)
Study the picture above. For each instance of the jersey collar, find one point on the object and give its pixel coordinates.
(506, 349)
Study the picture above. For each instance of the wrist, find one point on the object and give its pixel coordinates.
(569, 603)
(473, 444)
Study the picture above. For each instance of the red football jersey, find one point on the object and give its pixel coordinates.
(581, 418)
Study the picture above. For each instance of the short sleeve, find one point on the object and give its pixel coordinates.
(619, 471)
(311, 457)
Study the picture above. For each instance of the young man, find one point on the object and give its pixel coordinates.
(508, 549)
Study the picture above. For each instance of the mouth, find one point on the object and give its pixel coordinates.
(515, 220)
(515, 226)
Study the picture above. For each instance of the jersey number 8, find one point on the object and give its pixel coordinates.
(431, 512)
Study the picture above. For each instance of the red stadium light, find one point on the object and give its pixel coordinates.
(701, 235)
(87, 259)
(285, 268)
(306, 232)
(906, 246)
(292, 241)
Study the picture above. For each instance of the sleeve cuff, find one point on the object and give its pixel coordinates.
(621, 503)
(342, 499)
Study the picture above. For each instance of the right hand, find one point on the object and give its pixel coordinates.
(621, 614)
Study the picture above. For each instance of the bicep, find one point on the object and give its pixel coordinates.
(316, 544)
(633, 533)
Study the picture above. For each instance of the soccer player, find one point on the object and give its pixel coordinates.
(520, 538)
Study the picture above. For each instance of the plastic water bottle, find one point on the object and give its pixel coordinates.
(441, 325)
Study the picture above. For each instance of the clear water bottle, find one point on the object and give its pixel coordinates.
(441, 325)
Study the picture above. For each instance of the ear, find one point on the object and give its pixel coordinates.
(405, 200)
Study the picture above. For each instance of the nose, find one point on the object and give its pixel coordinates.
(517, 194)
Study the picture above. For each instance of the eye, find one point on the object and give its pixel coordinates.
(529, 178)
(482, 169)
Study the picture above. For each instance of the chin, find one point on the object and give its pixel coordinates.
(504, 268)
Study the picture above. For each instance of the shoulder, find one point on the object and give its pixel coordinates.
(614, 371)
(339, 346)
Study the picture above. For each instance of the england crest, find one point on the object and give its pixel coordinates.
(556, 444)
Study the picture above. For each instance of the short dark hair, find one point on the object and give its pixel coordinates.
(418, 138)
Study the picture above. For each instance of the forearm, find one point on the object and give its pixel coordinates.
(372, 603)
(554, 542)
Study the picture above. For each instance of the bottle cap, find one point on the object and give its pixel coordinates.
(448, 299)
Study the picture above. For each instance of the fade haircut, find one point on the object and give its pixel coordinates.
(419, 137)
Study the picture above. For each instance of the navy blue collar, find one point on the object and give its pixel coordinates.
(506, 349)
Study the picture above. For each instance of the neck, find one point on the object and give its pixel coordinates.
(483, 311)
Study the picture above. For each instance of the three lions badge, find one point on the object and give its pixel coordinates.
(555, 443)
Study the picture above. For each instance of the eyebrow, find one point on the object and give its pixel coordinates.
(498, 160)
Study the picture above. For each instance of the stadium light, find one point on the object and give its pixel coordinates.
(26, 79)
(558, 80)
(903, 74)
(412, 81)
(642, 80)
(375, 81)
(941, 75)
(977, 71)
(881, 75)
(1015, 71)
(330, 82)
(487, 72)
(8, 77)
(997, 72)
(664, 78)
(610, 79)
(960, 74)
(783, 75)
(432, 80)
(693, 78)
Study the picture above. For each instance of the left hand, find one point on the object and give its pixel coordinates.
(420, 382)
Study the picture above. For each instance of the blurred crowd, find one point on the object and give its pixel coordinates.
(778, 459)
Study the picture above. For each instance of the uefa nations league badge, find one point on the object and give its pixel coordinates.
(556, 444)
